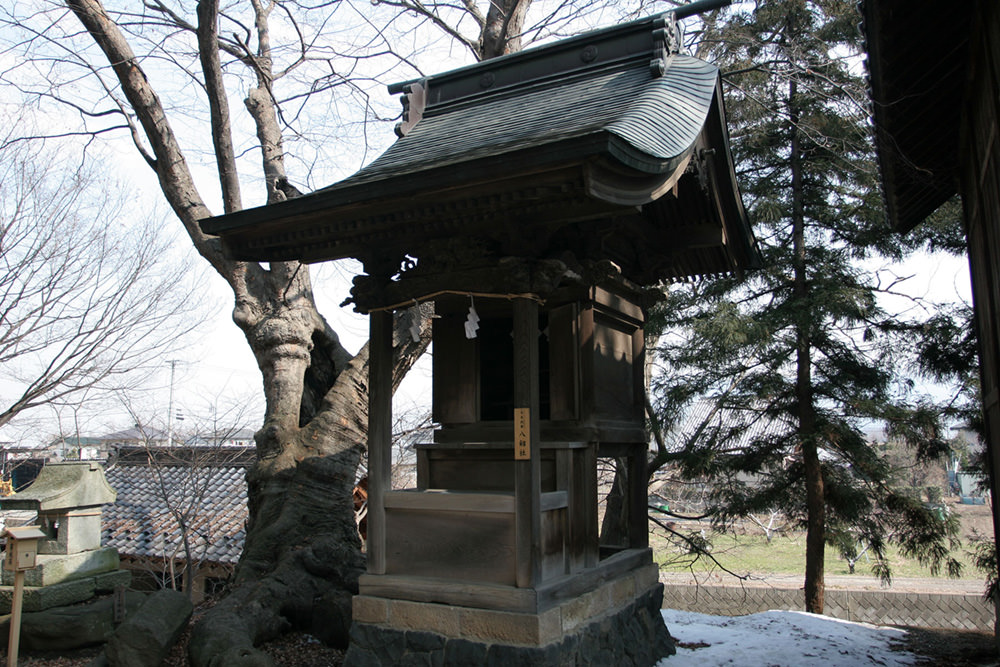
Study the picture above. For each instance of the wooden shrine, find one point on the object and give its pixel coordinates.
(540, 201)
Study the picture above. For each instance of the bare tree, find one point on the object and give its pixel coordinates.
(84, 307)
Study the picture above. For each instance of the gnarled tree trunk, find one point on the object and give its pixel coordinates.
(302, 555)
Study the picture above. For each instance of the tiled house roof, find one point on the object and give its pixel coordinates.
(141, 523)
(738, 429)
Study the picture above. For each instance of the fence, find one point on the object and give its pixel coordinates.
(924, 610)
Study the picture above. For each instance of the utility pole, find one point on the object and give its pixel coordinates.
(170, 406)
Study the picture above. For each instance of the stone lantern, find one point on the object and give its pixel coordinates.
(68, 499)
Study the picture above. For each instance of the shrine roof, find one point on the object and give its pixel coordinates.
(534, 155)
(651, 123)
(917, 95)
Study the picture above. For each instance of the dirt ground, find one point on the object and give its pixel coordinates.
(975, 518)
(291, 650)
(951, 648)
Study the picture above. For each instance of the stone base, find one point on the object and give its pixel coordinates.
(39, 598)
(73, 627)
(55, 569)
(631, 633)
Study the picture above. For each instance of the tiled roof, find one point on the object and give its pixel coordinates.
(537, 153)
(660, 118)
(737, 429)
(140, 523)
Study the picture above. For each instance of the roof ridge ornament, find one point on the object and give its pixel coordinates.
(668, 34)
(414, 100)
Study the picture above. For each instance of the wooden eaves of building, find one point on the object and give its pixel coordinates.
(540, 200)
(935, 83)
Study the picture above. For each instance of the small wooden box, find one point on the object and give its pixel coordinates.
(22, 547)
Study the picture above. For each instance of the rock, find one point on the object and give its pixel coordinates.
(100, 661)
(41, 598)
(70, 628)
(146, 636)
(331, 618)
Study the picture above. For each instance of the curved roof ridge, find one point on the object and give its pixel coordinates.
(666, 118)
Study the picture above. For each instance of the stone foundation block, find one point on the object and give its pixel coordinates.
(646, 576)
(367, 609)
(438, 618)
(585, 608)
(55, 569)
(40, 598)
(631, 635)
(107, 582)
(509, 628)
(47, 597)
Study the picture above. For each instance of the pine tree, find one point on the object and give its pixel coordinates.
(802, 344)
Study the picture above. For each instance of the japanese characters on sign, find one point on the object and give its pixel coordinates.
(522, 434)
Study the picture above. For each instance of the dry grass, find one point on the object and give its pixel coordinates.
(747, 550)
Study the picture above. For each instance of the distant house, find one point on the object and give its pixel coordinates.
(144, 524)
(20, 465)
(142, 446)
(136, 436)
(228, 438)
(733, 429)
(79, 448)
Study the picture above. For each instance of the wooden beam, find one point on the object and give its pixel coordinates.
(587, 482)
(446, 591)
(379, 434)
(450, 501)
(527, 473)
(566, 588)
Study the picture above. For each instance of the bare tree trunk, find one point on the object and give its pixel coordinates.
(302, 555)
(815, 500)
(614, 526)
(501, 32)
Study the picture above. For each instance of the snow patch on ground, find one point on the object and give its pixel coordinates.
(780, 639)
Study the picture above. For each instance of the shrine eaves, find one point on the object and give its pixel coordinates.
(604, 152)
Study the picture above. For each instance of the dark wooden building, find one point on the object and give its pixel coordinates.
(935, 79)
(540, 201)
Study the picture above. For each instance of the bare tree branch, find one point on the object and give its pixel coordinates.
(208, 50)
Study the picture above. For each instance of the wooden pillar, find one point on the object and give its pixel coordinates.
(527, 431)
(587, 481)
(14, 637)
(638, 491)
(638, 498)
(379, 434)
